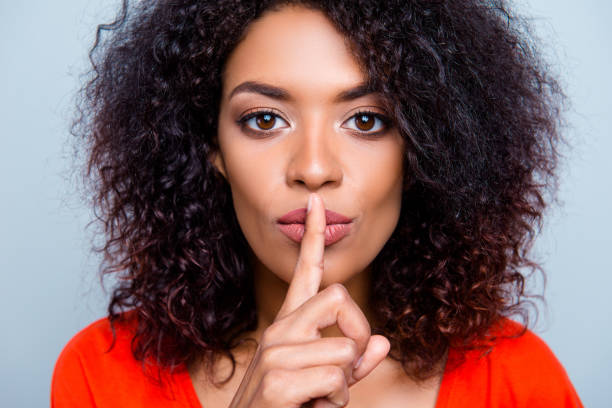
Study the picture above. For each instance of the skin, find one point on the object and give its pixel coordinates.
(311, 148)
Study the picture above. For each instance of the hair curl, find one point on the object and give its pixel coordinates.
(469, 93)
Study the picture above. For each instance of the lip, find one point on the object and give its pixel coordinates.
(292, 225)
(298, 216)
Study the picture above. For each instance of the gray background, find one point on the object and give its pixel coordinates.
(50, 287)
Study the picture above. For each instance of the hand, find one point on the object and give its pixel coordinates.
(293, 365)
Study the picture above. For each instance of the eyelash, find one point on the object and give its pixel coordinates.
(386, 122)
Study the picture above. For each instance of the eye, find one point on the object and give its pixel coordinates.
(367, 122)
(263, 121)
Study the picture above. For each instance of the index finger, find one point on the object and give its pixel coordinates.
(308, 271)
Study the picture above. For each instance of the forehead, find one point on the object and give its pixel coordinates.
(297, 49)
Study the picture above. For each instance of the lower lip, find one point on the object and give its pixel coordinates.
(333, 232)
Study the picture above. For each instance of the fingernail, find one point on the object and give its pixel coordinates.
(358, 363)
(309, 206)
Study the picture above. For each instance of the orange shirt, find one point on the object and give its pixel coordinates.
(518, 372)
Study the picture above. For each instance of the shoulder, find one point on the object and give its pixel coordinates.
(96, 368)
(87, 361)
(516, 349)
(516, 369)
(96, 344)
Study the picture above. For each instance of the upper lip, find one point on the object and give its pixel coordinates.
(298, 216)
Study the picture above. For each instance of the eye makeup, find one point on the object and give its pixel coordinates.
(261, 122)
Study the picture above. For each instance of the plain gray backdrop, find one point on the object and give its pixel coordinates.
(50, 286)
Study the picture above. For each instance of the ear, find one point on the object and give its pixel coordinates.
(216, 160)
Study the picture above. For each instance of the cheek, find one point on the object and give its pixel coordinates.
(382, 182)
(256, 187)
(249, 179)
(379, 191)
(254, 172)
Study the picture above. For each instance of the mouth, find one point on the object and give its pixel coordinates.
(292, 225)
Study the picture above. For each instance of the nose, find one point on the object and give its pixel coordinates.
(314, 161)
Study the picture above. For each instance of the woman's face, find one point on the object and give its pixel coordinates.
(295, 118)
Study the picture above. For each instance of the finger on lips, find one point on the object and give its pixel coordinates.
(308, 272)
(293, 340)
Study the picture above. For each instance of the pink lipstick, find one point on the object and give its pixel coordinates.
(292, 225)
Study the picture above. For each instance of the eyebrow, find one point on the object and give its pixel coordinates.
(282, 94)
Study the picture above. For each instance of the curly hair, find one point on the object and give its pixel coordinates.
(470, 95)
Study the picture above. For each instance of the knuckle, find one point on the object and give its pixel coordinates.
(348, 348)
(338, 293)
(335, 377)
(272, 384)
(268, 357)
(271, 334)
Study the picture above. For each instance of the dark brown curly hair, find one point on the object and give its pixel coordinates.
(469, 93)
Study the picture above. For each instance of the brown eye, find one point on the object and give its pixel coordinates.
(368, 123)
(365, 122)
(265, 121)
(262, 122)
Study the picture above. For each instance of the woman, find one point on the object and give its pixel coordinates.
(317, 203)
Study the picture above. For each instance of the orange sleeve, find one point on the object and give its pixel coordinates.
(517, 372)
(88, 374)
(69, 387)
(537, 376)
